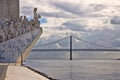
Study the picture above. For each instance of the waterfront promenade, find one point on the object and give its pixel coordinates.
(12, 72)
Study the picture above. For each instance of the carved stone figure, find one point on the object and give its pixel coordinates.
(12, 29)
(25, 23)
(19, 22)
(5, 27)
(32, 24)
(2, 35)
(18, 25)
(36, 17)
(35, 14)
(1, 22)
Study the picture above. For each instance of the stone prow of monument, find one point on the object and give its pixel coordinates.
(17, 34)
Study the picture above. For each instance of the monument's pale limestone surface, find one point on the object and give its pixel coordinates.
(9, 9)
(17, 34)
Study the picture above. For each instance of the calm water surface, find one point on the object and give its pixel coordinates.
(77, 69)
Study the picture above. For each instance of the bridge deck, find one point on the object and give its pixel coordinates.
(76, 49)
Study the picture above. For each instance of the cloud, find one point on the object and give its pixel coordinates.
(27, 10)
(60, 14)
(74, 26)
(115, 20)
(78, 8)
(98, 7)
(68, 7)
(116, 43)
(91, 20)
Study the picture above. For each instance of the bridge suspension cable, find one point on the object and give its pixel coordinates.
(51, 42)
(93, 43)
(99, 45)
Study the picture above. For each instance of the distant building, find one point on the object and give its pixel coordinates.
(9, 9)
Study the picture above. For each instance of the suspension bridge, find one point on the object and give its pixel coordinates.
(71, 48)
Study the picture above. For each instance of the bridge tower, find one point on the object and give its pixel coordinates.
(9, 9)
(70, 47)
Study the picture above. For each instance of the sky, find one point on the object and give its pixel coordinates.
(96, 21)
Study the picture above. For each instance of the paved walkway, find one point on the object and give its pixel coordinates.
(3, 71)
(22, 73)
(13, 72)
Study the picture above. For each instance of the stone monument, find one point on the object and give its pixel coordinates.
(9, 9)
(17, 34)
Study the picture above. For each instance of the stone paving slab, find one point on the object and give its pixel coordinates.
(3, 70)
(22, 73)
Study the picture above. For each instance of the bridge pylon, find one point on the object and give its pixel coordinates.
(71, 48)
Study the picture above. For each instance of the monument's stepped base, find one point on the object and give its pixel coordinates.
(11, 50)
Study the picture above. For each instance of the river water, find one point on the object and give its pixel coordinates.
(84, 66)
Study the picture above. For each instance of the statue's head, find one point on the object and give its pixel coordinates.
(25, 17)
(35, 9)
